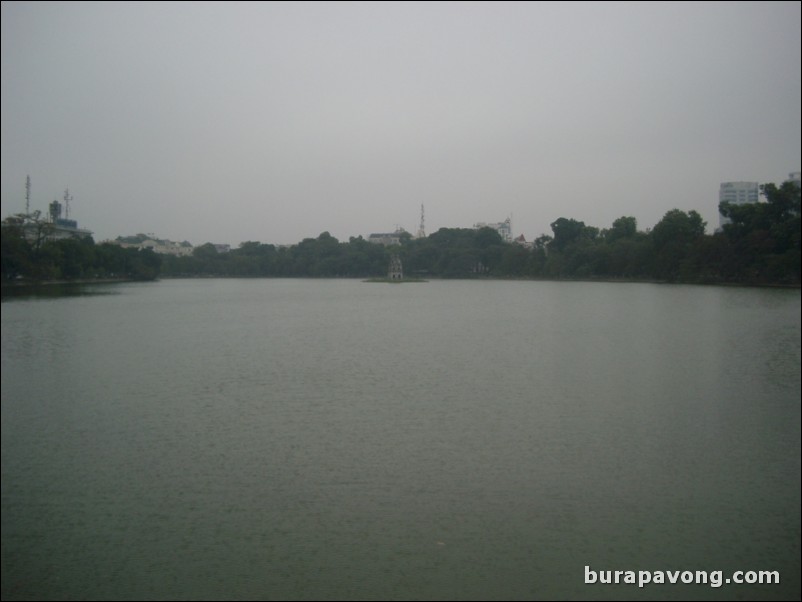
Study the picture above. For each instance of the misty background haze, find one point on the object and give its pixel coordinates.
(274, 122)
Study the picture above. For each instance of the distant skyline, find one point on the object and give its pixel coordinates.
(229, 122)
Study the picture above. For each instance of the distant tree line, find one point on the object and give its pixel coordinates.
(72, 259)
(761, 245)
(323, 256)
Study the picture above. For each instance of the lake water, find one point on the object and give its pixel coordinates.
(333, 439)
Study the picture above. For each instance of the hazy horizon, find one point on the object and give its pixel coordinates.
(278, 121)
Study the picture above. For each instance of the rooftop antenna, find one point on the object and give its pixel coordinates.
(421, 229)
(28, 195)
(67, 199)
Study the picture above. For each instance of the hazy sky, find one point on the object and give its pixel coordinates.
(274, 122)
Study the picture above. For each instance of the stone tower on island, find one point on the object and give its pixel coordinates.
(395, 271)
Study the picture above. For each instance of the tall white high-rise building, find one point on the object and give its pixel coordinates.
(737, 193)
(503, 228)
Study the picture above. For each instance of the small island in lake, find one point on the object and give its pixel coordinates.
(395, 273)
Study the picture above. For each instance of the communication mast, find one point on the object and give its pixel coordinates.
(28, 195)
(67, 199)
(421, 229)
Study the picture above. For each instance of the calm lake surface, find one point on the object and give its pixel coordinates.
(332, 439)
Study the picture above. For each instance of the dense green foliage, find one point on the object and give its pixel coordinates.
(73, 259)
(760, 246)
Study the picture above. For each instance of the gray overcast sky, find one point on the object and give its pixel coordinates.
(277, 121)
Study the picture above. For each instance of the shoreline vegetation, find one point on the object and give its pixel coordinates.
(760, 247)
(395, 280)
(24, 284)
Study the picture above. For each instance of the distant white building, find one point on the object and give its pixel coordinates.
(36, 228)
(737, 193)
(157, 245)
(503, 228)
(388, 239)
(33, 230)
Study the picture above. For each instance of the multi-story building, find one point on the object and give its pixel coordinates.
(503, 228)
(737, 193)
(36, 228)
(157, 245)
(388, 239)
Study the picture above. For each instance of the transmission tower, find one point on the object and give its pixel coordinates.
(421, 229)
(28, 195)
(67, 199)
